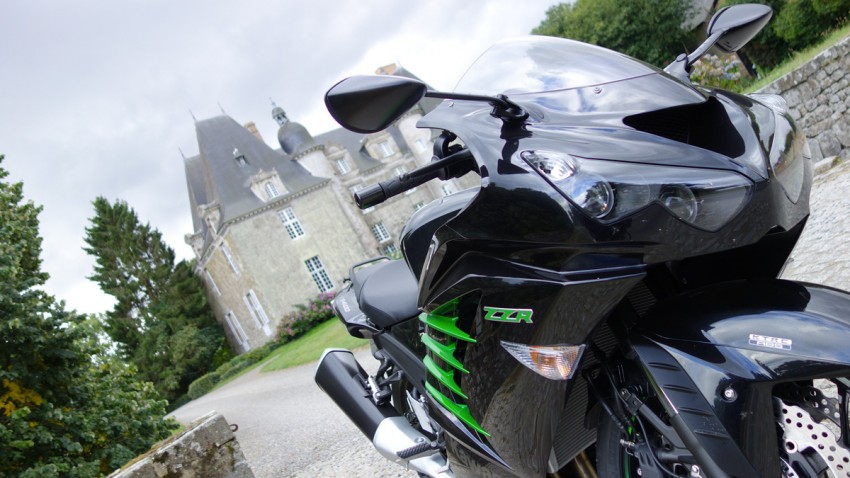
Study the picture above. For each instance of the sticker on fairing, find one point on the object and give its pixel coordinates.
(770, 342)
(500, 314)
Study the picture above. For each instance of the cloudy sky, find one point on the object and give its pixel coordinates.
(95, 97)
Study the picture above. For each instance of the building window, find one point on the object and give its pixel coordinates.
(418, 206)
(400, 170)
(271, 190)
(390, 249)
(229, 256)
(380, 232)
(291, 223)
(421, 145)
(385, 149)
(320, 275)
(212, 282)
(237, 331)
(239, 158)
(342, 166)
(448, 188)
(257, 312)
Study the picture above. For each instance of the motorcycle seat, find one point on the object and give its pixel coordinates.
(387, 292)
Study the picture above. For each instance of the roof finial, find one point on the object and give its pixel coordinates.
(181, 153)
(221, 108)
(193, 115)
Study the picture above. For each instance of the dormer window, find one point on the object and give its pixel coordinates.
(342, 166)
(239, 158)
(385, 149)
(271, 190)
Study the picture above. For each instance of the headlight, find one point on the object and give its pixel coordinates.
(610, 190)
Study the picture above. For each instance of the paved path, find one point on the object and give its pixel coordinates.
(289, 428)
(823, 252)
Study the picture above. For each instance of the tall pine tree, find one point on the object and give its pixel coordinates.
(161, 321)
(62, 412)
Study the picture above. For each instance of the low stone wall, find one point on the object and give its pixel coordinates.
(818, 96)
(207, 449)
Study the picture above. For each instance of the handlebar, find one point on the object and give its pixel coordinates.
(453, 165)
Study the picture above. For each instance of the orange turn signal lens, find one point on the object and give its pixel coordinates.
(555, 362)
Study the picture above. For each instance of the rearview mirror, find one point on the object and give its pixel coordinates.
(738, 24)
(368, 104)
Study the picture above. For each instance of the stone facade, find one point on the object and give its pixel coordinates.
(818, 96)
(274, 228)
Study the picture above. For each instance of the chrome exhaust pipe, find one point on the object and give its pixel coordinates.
(341, 377)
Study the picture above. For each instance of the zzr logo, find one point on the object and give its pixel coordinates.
(498, 314)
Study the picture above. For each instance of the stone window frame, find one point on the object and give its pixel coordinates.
(418, 206)
(384, 148)
(271, 190)
(291, 223)
(421, 144)
(225, 250)
(320, 275)
(380, 232)
(255, 308)
(237, 330)
(342, 166)
(212, 282)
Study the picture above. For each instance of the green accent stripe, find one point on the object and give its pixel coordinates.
(445, 325)
(445, 352)
(446, 377)
(460, 411)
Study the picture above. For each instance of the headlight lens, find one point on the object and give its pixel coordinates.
(610, 190)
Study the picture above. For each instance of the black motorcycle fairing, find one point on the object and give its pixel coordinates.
(505, 397)
(418, 230)
(747, 337)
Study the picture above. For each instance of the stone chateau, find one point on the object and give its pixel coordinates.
(275, 227)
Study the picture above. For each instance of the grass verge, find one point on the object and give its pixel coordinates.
(800, 58)
(331, 334)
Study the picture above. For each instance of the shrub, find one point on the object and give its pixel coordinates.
(305, 317)
(203, 385)
(719, 72)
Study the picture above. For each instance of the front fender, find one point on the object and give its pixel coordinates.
(714, 354)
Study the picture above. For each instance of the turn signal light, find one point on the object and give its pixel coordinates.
(555, 362)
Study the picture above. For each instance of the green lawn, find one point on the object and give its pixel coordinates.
(308, 348)
(800, 58)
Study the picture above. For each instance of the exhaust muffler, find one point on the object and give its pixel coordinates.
(341, 377)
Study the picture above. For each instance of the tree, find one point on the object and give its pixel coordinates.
(649, 30)
(161, 321)
(62, 413)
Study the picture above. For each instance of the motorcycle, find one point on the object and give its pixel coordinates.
(607, 303)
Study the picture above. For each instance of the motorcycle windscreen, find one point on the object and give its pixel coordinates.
(535, 65)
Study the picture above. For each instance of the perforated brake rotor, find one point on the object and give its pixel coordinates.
(803, 436)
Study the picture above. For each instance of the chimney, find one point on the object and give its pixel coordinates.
(250, 126)
(387, 69)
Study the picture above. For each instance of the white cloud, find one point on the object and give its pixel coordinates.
(97, 94)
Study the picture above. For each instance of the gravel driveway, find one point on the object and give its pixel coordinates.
(288, 427)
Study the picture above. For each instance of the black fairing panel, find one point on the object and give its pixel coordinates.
(747, 336)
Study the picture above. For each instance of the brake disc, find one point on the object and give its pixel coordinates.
(803, 437)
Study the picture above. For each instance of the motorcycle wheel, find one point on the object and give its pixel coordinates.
(813, 424)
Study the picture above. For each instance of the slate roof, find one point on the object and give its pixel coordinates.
(215, 175)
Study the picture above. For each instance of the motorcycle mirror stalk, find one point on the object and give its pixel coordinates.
(729, 30)
(370, 103)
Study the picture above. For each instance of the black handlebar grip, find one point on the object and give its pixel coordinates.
(370, 196)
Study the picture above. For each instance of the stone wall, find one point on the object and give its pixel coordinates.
(206, 449)
(818, 96)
